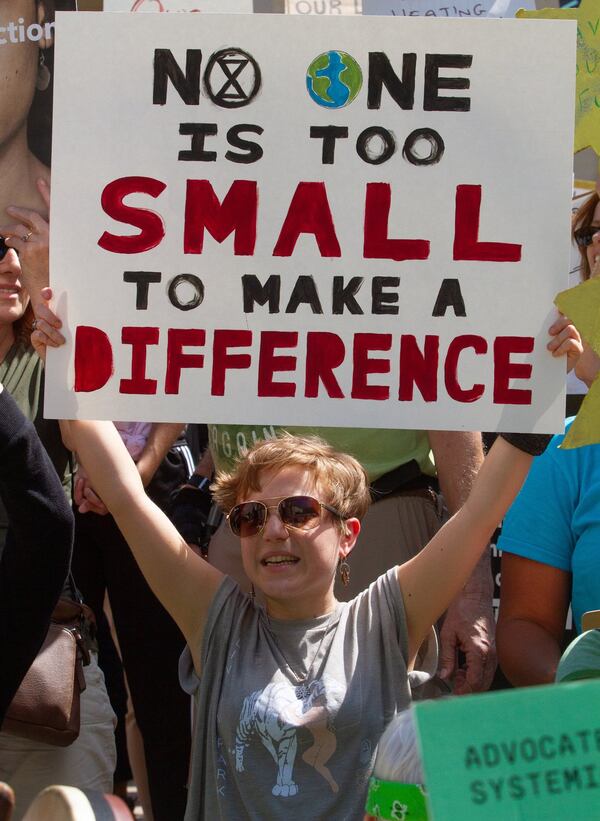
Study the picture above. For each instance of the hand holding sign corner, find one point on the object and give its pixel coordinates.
(587, 97)
(582, 305)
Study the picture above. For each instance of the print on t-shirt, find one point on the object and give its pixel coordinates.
(276, 713)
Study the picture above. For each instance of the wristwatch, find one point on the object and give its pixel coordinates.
(199, 482)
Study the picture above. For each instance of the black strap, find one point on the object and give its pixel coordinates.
(532, 443)
(403, 478)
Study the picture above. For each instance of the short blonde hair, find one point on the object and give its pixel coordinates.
(343, 480)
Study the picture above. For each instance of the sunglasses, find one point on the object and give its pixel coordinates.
(583, 236)
(298, 512)
(4, 248)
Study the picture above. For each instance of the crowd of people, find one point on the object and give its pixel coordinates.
(293, 683)
(247, 664)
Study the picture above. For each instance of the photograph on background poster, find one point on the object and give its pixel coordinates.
(222, 6)
(27, 33)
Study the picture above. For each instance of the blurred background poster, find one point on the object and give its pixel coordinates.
(323, 6)
(229, 6)
(447, 8)
(27, 36)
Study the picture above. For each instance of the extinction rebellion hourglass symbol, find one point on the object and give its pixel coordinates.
(232, 78)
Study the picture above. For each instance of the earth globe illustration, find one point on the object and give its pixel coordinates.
(333, 79)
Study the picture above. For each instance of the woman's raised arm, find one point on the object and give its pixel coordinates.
(183, 582)
(433, 578)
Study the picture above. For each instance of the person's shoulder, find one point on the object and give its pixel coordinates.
(384, 590)
(379, 610)
(562, 456)
(28, 362)
(227, 609)
(22, 372)
(25, 353)
(559, 438)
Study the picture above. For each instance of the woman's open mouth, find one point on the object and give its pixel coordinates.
(279, 560)
(9, 290)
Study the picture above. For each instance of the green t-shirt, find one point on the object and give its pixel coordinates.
(22, 374)
(378, 451)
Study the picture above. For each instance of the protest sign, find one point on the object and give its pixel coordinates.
(530, 754)
(215, 6)
(447, 8)
(279, 231)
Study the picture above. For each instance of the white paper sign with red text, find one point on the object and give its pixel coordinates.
(320, 221)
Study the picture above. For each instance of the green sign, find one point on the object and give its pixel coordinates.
(526, 754)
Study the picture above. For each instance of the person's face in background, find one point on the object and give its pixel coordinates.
(13, 298)
(588, 364)
(18, 63)
(593, 250)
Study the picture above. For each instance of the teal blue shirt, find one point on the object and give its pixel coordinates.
(555, 519)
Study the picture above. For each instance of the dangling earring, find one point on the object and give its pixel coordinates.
(344, 572)
(43, 76)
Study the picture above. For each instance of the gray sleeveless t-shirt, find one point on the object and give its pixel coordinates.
(267, 747)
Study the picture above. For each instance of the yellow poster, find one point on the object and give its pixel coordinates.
(582, 306)
(587, 97)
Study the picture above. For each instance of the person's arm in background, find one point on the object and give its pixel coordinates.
(432, 579)
(537, 542)
(161, 437)
(469, 622)
(531, 623)
(192, 508)
(205, 467)
(35, 559)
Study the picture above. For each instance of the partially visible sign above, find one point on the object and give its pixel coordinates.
(447, 8)
(215, 6)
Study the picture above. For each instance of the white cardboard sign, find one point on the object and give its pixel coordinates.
(215, 6)
(447, 8)
(310, 221)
